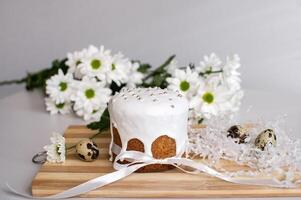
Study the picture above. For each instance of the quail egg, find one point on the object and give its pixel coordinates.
(266, 138)
(238, 132)
(87, 150)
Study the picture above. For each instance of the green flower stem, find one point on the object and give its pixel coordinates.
(210, 72)
(38, 79)
(16, 81)
(71, 147)
(95, 135)
(160, 68)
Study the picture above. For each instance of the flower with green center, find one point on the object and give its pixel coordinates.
(208, 97)
(113, 66)
(78, 62)
(58, 87)
(56, 151)
(55, 108)
(184, 86)
(90, 93)
(75, 58)
(119, 70)
(60, 105)
(95, 64)
(185, 81)
(63, 86)
(91, 98)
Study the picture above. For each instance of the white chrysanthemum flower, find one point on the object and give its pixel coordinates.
(96, 63)
(93, 49)
(134, 77)
(210, 62)
(76, 58)
(58, 87)
(56, 150)
(53, 108)
(235, 100)
(211, 99)
(94, 116)
(73, 60)
(232, 64)
(119, 70)
(230, 74)
(184, 81)
(90, 96)
(88, 115)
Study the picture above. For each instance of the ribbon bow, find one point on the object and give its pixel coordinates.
(139, 160)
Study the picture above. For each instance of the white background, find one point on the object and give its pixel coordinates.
(265, 33)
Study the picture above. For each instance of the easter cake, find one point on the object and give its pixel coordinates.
(149, 120)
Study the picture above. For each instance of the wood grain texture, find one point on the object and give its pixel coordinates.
(54, 178)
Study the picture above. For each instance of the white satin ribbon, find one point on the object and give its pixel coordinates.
(139, 160)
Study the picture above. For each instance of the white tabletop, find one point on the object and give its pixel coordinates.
(26, 128)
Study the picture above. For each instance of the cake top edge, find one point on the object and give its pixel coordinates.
(149, 98)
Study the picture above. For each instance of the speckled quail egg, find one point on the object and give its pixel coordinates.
(238, 132)
(266, 138)
(87, 150)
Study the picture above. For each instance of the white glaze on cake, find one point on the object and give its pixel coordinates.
(146, 114)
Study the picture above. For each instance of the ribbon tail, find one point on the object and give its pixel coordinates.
(272, 182)
(14, 191)
(141, 160)
(87, 186)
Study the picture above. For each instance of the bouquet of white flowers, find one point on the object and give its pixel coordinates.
(93, 75)
(86, 79)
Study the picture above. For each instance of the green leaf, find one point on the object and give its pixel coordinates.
(38, 79)
(160, 69)
(116, 88)
(103, 123)
(143, 68)
(157, 80)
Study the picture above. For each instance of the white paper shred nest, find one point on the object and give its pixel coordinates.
(212, 144)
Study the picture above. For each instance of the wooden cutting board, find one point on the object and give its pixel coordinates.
(54, 178)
